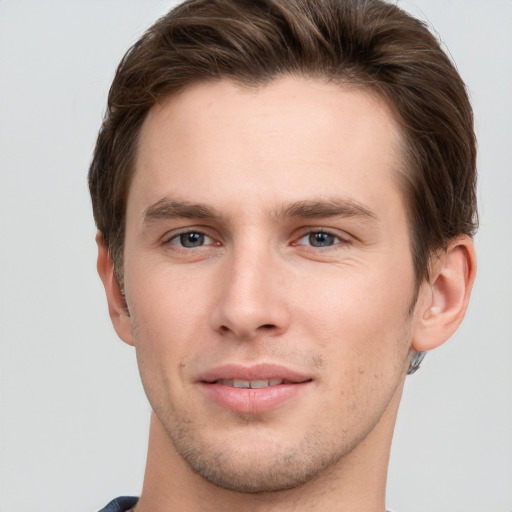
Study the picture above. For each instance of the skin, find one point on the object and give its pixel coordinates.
(260, 283)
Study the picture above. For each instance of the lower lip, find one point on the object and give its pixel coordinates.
(252, 400)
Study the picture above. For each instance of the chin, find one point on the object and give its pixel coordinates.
(255, 464)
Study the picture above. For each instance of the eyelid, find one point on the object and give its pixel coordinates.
(170, 236)
(343, 238)
(206, 239)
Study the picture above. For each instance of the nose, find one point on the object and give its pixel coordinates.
(252, 299)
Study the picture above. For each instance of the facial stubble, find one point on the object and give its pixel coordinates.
(269, 465)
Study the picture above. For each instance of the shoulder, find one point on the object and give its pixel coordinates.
(120, 504)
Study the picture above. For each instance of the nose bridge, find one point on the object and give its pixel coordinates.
(252, 300)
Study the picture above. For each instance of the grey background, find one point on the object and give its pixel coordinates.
(73, 416)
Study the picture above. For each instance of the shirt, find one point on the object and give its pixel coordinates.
(121, 504)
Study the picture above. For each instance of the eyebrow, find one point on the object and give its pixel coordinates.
(171, 209)
(328, 208)
(167, 209)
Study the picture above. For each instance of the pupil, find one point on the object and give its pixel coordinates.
(191, 239)
(321, 239)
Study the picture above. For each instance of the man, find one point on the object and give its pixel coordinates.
(285, 198)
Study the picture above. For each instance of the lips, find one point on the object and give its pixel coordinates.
(260, 372)
(252, 390)
(254, 384)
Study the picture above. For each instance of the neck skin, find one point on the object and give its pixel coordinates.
(357, 482)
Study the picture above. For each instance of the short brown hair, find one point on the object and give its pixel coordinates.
(367, 43)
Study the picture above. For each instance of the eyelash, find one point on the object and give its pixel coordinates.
(179, 236)
(307, 234)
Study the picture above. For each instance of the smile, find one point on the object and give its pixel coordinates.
(253, 384)
(253, 390)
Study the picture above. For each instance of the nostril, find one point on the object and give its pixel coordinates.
(263, 329)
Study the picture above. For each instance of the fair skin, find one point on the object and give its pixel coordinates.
(267, 246)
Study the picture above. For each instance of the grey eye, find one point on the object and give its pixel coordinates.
(319, 239)
(190, 240)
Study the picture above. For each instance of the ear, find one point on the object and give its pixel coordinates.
(117, 307)
(444, 299)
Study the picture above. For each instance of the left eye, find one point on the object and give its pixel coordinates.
(319, 239)
(190, 240)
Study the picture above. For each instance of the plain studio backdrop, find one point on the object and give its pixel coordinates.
(73, 416)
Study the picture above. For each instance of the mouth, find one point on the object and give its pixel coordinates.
(251, 384)
(253, 390)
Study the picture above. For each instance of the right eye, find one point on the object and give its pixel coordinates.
(191, 240)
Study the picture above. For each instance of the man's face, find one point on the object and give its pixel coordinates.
(267, 247)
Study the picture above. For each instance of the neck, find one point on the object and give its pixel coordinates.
(357, 482)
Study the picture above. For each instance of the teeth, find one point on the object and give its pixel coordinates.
(241, 384)
(259, 383)
(255, 384)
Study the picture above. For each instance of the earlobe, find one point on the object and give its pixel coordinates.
(117, 307)
(444, 299)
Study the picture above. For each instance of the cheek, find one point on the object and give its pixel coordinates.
(166, 297)
(359, 318)
(167, 315)
(163, 344)
(363, 332)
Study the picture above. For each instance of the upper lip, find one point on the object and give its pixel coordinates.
(254, 372)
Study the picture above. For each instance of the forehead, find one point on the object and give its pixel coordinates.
(291, 138)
